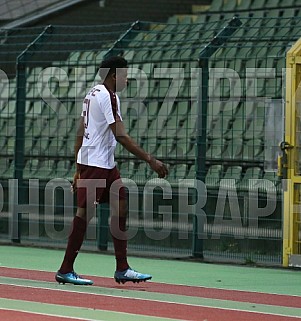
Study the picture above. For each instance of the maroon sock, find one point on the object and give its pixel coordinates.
(118, 226)
(75, 242)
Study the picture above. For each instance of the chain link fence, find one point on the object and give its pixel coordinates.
(163, 108)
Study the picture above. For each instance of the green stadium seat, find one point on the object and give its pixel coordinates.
(141, 55)
(255, 129)
(4, 161)
(159, 122)
(29, 147)
(238, 128)
(253, 150)
(62, 169)
(9, 173)
(233, 149)
(213, 176)
(257, 4)
(10, 145)
(287, 3)
(160, 88)
(182, 109)
(265, 185)
(73, 58)
(127, 169)
(46, 170)
(99, 56)
(191, 172)
(271, 4)
(243, 5)
(170, 128)
(188, 128)
(221, 126)
(229, 6)
(177, 172)
(183, 148)
(216, 148)
(12, 88)
(216, 5)
(165, 148)
(31, 168)
(86, 58)
(232, 172)
(9, 110)
(8, 127)
(55, 146)
(248, 181)
(141, 173)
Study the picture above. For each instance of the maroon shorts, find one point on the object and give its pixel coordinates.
(98, 185)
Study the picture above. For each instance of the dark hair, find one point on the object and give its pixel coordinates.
(109, 66)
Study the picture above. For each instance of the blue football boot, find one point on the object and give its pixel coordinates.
(72, 278)
(130, 275)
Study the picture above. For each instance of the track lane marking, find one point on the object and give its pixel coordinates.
(213, 293)
(76, 313)
(173, 299)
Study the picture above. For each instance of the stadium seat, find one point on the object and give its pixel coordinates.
(191, 171)
(170, 128)
(213, 176)
(127, 169)
(165, 148)
(8, 127)
(46, 170)
(176, 172)
(257, 4)
(31, 166)
(4, 163)
(265, 185)
(255, 129)
(216, 148)
(243, 5)
(233, 149)
(9, 172)
(73, 58)
(216, 5)
(10, 145)
(248, 181)
(233, 173)
(141, 173)
(63, 169)
(221, 126)
(253, 150)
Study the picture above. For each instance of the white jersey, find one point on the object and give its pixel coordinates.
(101, 107)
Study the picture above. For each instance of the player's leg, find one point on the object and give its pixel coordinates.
(66, 272)
(75, 240)
(118, 231)
(85, 212)
(118, 207)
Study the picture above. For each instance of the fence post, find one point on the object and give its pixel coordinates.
(20, 124)
(201, 139)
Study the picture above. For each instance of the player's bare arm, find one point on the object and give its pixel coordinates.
(127, 142)
(78, 143)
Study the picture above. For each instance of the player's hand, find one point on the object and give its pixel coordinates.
(76, 176)
(159, 167)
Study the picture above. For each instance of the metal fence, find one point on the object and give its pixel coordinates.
(205, 95)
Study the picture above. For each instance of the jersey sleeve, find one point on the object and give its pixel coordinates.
(109, 104)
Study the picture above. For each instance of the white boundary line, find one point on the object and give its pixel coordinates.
(161, 301)
(49, 314)
(175, 284)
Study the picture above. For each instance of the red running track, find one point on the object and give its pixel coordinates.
(202, 292)
(136, 306)
(8, 315)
